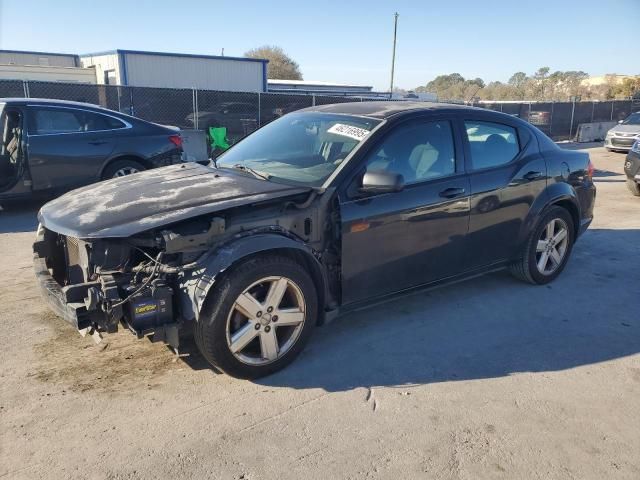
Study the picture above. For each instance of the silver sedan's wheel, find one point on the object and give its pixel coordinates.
(123, 172)
(552, 246)
(266, 320)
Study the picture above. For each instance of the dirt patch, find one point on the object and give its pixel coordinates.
(119, 364)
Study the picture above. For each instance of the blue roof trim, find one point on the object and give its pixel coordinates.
(180, 55)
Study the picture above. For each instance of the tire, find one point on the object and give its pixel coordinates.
(119, 168)
(527, 267)
(633, 187)
(222, 318)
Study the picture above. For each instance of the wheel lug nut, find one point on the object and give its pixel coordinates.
(267, 329)
(257, 327)
(259, 314)
(274, 318)
(270, 309)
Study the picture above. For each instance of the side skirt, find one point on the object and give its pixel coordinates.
(389, 297)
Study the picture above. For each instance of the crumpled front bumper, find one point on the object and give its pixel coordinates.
(66, 302)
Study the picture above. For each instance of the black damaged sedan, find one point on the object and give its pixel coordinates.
(319, 212)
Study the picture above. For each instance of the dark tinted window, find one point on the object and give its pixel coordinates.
(95, 121)
(56, 121)
(51, 121)
(492, 144)
(633, 119)
(418, 151)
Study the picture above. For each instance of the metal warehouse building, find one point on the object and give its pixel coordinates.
(42, 59)
(177, 70)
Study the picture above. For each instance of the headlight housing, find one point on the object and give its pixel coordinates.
(636, 147)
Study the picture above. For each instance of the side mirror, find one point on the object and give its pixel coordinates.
(620, 121)
(381, 181)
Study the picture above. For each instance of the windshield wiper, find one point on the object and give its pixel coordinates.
(255, 173)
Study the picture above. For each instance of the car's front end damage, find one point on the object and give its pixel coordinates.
(95, 285)
(150, 268)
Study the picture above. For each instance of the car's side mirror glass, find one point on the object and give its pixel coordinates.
(381, 181)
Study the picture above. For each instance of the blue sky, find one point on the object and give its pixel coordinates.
(348, 41)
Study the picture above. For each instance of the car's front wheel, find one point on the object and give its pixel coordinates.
(258, 318)
(547, 249)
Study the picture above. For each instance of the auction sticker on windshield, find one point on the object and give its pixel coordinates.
(349, 131)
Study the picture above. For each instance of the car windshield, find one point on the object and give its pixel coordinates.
(633, 119)
(299, 148)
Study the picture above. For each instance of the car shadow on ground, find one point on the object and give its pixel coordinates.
(488, 327)
(19, 217)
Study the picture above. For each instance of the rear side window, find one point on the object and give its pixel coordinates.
(491, 144)
(95, 121)
(55, 121)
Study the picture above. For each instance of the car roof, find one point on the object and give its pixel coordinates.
(386, 109)
(52, 102)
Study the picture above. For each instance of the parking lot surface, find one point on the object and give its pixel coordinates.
(489, 378)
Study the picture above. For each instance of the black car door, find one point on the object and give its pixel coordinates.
(507, 174)
(66, 146)
(395, 241)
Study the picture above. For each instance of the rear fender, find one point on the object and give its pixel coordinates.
(555, 193)
(196, 284)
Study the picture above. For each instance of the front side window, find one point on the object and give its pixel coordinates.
(491, 144)
(418, 151)
(299, 148)
(49, 121)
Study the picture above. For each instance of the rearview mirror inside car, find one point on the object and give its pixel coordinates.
(381, 181)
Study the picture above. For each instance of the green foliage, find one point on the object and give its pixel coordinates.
(280, 66)
(543, 85)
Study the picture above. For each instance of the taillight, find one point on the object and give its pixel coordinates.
(176, 140)
(590, 170)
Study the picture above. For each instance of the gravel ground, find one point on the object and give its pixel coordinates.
(489, 378)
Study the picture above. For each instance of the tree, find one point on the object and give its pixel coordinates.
(629, 87)
(518, 83)
(453, 87)
(518, 79)
(280, 66)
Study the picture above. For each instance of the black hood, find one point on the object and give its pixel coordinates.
(125, 206)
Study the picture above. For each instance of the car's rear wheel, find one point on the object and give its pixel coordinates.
(122, 168)
(633, 186)
(258, 319)
(547, 249)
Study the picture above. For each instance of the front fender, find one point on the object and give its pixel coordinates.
(554, 193)
(196, 284)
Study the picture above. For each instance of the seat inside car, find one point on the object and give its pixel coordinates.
(435, 158)
(10, 148)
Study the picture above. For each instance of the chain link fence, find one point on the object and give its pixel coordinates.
(243, 112)
(560, 120)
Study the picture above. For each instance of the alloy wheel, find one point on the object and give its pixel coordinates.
(124, 171)
(266, 320)
(552, 246)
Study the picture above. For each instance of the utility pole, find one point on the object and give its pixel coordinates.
(393, 58)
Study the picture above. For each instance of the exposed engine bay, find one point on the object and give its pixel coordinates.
(156, 281)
